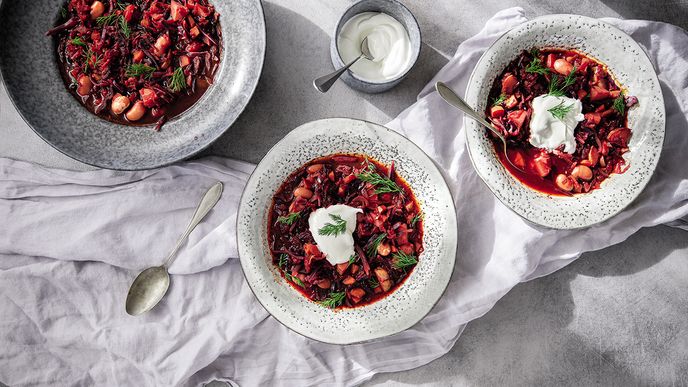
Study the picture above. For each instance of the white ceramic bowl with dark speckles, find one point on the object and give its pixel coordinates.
(28, 65)
(400, 310)
(628, 62)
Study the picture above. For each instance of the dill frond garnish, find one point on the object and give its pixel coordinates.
(332, 229)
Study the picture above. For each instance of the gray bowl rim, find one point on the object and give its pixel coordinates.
(261, 9)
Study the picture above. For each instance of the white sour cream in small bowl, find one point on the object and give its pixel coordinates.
(393, 38)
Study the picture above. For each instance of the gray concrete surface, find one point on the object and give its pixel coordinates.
(614, 317)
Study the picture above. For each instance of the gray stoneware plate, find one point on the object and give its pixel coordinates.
(630, 65)
(414, 298)
(29, 69)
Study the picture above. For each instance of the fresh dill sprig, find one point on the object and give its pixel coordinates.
(63, 12)
(383, 184)
(338, 227)
(499, 99)
(139, 69)
(560, 111)
(289, 219)
(620, 104)
(535, 52)
(352, 258)
(78, 42)
(122, 5)
(557, 89)
(107, 20)
(283, 259)
(124, 26)
(536, 67)
(416, 218)
(401, 260)
(294, 279)
(178, 81)
(374, 244)
(334, 300)
(91, 58)
(373, 282)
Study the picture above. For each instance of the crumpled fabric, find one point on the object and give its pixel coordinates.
(72, 242)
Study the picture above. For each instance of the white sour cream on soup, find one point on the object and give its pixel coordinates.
(332, 228)
(388, 41)
(553, 121)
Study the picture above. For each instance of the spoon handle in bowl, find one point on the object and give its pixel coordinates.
(324, 83)
(209, 200)
(453, 99)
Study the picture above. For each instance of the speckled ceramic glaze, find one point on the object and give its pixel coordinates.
(628, 63)
(30, 72)
(392, 8)
(394, 313)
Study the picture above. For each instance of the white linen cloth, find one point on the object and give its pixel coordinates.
(71, 242)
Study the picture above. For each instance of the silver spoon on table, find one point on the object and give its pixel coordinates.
(450, 97)
(324, 83)
(151, 285)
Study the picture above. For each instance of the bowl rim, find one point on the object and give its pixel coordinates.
(416, 26)
(642, 183)
(189, 154)
(453, 246)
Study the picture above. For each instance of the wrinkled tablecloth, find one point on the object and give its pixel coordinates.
(71, 243)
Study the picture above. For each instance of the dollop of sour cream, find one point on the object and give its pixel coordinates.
(388, 41)
(340, 247)
(550, 132)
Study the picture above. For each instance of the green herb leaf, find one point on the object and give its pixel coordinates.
(334, 300)
(558, 89)
(63, 12)
(283, 259)
(90, 58)
(122, 5)
(139, 69)
(383, 184)
(78, 42)
(402, 260)
(289, 219)
(536, 67)
(620, 104)
(107, 20)
(373, 282)
(535, 52)
(352, 258)
(178, 81)
(416, 218)
(374, 244)
(560, 111)
(498, 99)
(338, 227)
(124, 26)
(294, 279)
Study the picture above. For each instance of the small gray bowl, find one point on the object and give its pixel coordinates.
(392, 8)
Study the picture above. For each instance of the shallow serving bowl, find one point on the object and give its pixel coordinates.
(628, 62)
(30, 73)
(394, 313)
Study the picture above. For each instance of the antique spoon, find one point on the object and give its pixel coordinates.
(324, 83)
(151, 285)
(449, 96)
